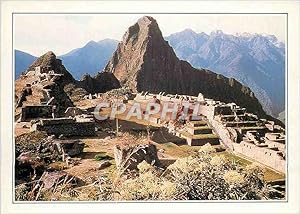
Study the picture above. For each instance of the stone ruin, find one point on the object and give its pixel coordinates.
(245, 134)
(92, 96)
(262, 149)
(227, 123)
(73, 111)
(64, 126)
(35, 157)
(30, 112)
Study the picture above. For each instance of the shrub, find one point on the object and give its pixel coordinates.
(102, 156)
(199, 177)
(204, 176)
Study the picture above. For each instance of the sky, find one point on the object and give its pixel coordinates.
(38, 33)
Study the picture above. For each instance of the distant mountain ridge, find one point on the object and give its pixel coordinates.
(144, 61)
(22, 61)
(257, 61)
(62, 90)
(90, 58)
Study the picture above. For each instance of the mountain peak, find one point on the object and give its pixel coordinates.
(217, 32)
(137, 41)
(91, 43)
(144, 28)
(46, 60)
(189, 30)
(146, 20)
(144, 61)
(49, 62)
(49, 54)
(107, 40)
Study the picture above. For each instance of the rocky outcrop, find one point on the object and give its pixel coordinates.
(34, 157)
(49, 182)
(102, 82)
(144, 61)
(49, 62)
(128, 157)
(25, 92)
(52, 81)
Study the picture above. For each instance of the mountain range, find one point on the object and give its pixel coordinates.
(90, 58)
(257, 61)
(144, 61)
(22, 61)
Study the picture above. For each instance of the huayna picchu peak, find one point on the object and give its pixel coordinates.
(144, 61)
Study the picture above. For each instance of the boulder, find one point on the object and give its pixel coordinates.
(69, 147)
(128, 157)
(104, 164)
(73, 111)
(32, 158)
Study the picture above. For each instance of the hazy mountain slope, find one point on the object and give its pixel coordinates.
(281, 116)
(22, 62)
(89, 59)
(257, 61)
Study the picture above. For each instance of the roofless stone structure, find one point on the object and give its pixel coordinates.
(240, 132)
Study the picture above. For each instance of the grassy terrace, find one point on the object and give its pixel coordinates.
(269, 174)
(200, 127)
(198, 122)
(252, 128)
(199, 136)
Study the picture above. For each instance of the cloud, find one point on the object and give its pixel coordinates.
(39, 33)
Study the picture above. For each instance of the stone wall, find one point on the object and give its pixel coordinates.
(36, 111)
(65, 126)
(279, 145)
(227, 136)
(207, 110)
(73, 111)
(263, 155)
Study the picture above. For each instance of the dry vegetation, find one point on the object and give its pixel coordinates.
(198, 174)
(199, 177)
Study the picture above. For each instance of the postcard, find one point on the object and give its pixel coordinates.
(113, 105)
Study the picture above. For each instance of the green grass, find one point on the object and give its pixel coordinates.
(199, 136)
(243, 162)
(200, 127)
(205, 136)
(102, 156)
(269, 174)
(252, 128)
(198, 122)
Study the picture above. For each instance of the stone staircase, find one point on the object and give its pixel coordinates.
(198, 133)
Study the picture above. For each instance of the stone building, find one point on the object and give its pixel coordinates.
(240, 132)
(30, 112)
